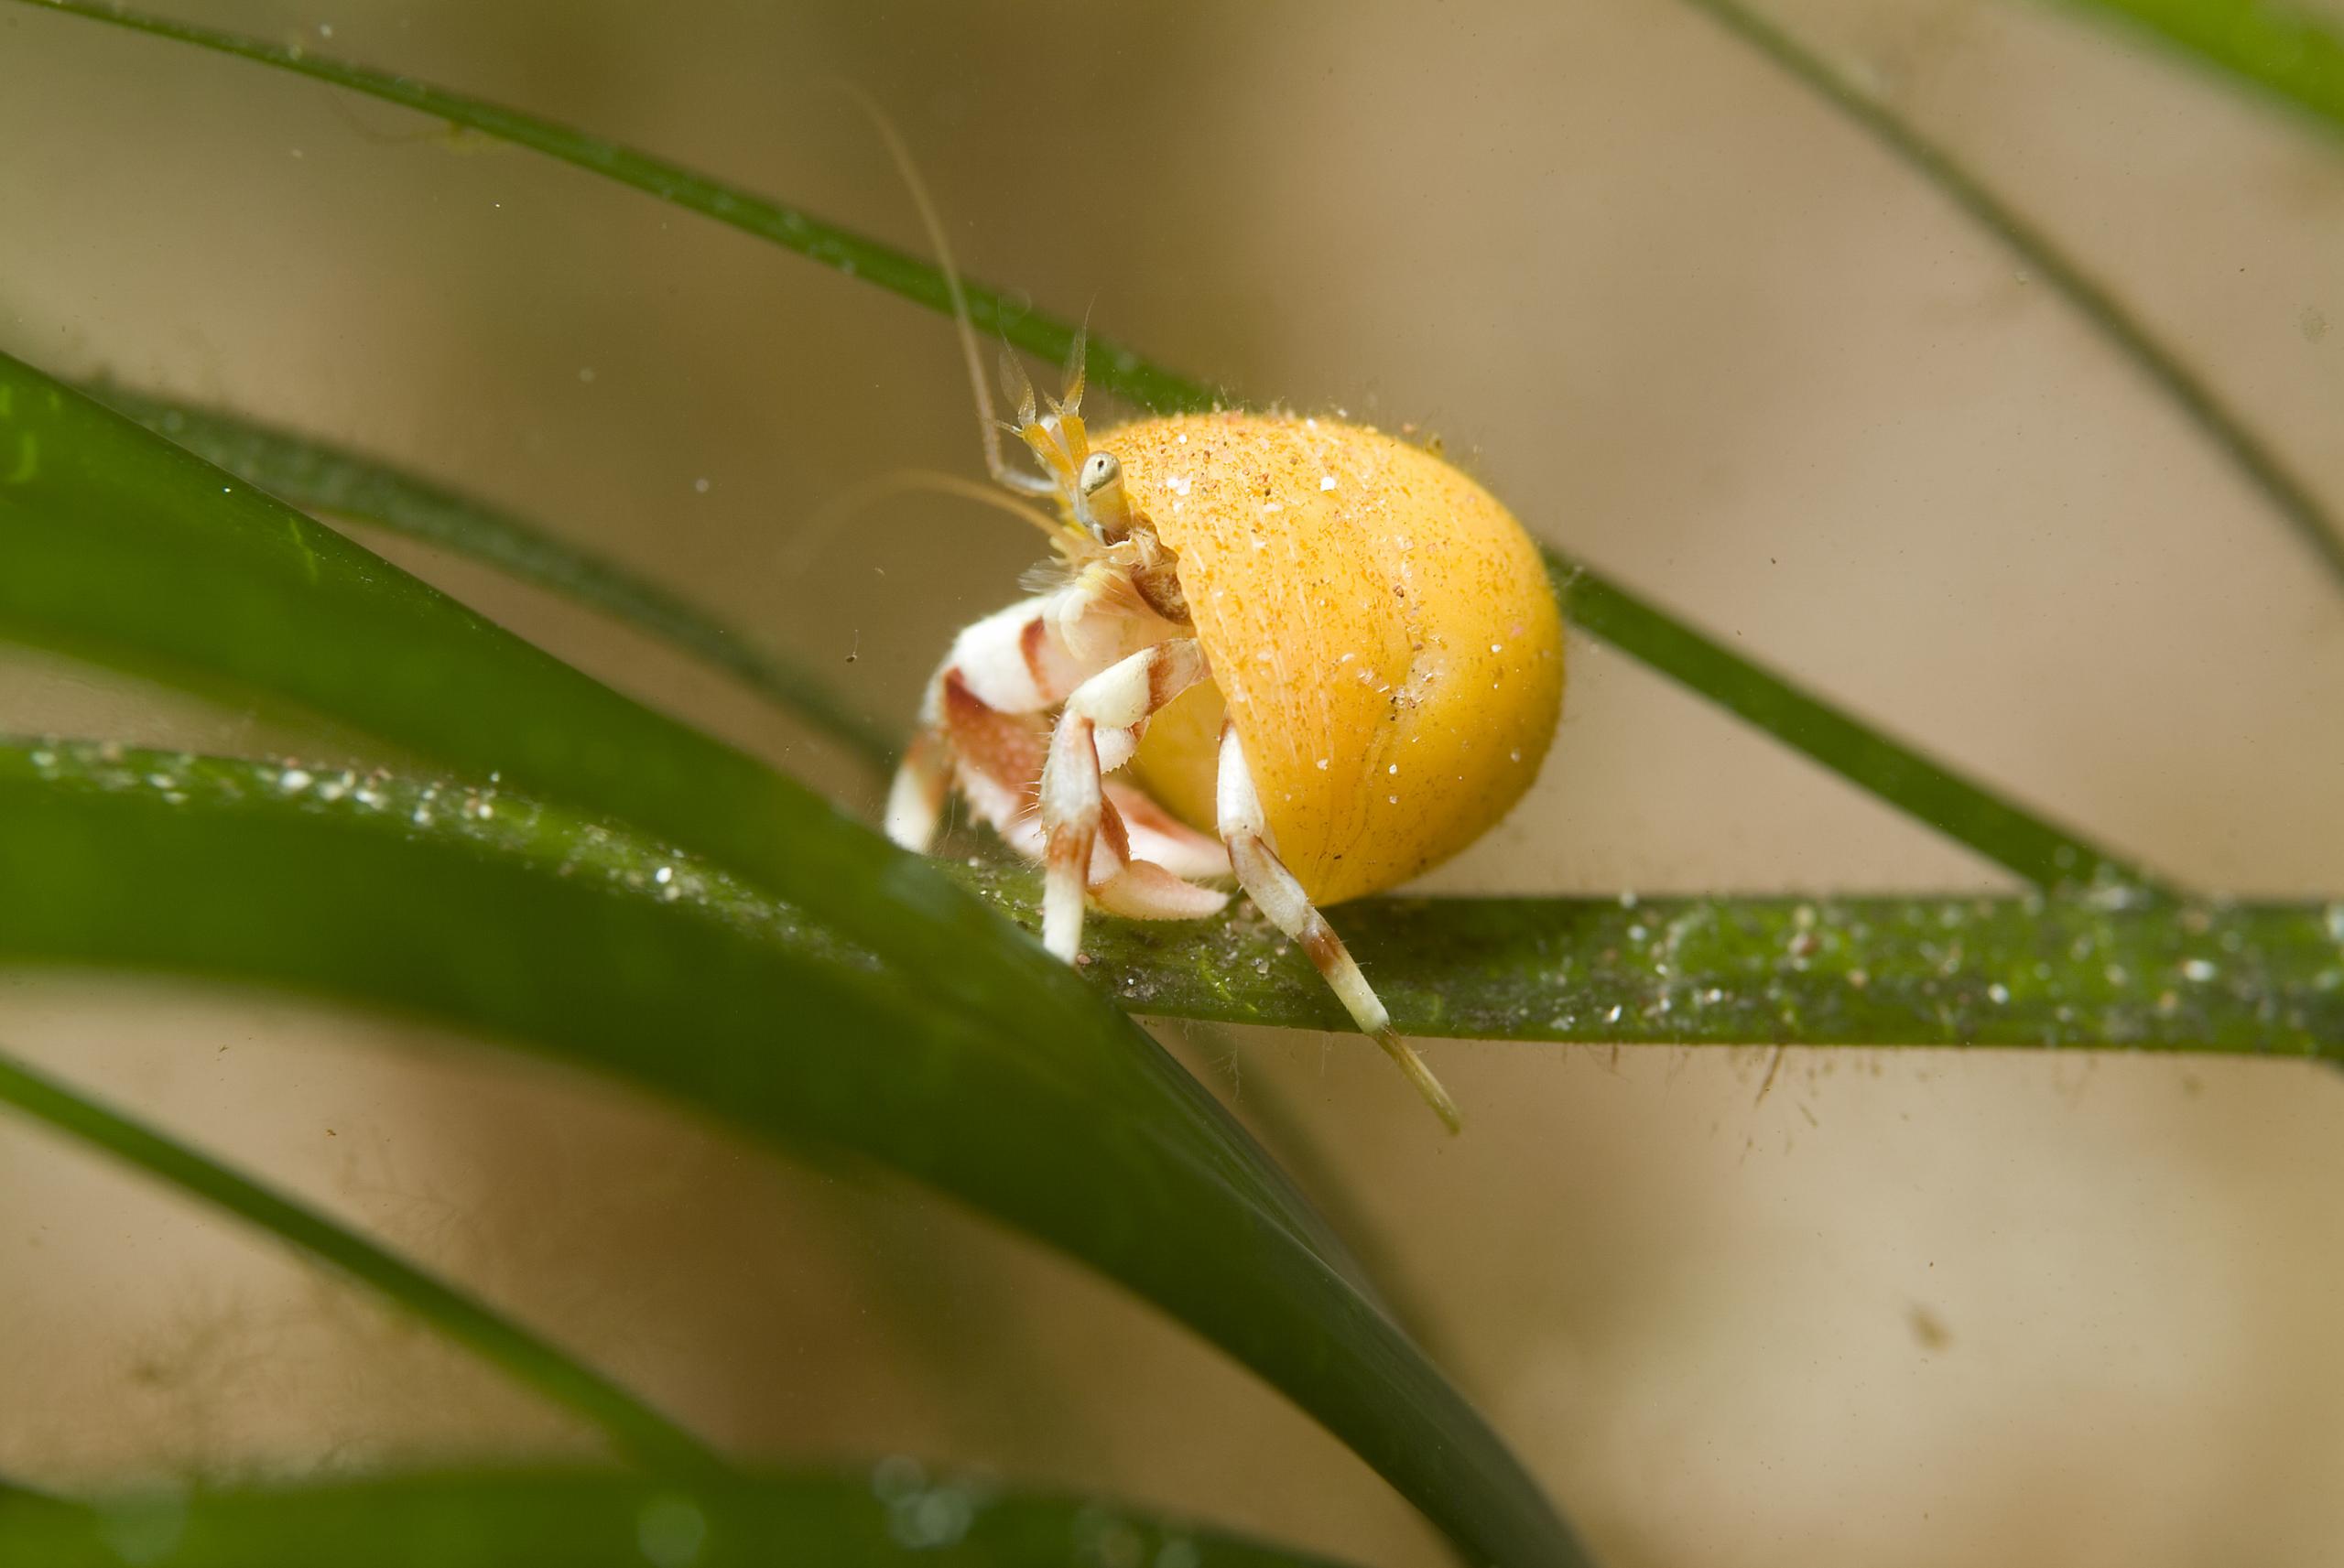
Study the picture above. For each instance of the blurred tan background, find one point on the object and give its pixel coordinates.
(1915, 1307)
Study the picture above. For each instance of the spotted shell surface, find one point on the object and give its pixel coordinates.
(1380, 628)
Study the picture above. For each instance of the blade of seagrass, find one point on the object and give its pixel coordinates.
(325, 477)
(318, 476)
(500, 916)
(2244, 978)
(2115, 970)
(632, 1426)
(896, 1514)
(2188, 390)
(2046, 855)
(123, 547)
(1304, 1150)
(1996, 829)
(2289, 51)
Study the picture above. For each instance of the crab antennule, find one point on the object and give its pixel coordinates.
(1075, 374)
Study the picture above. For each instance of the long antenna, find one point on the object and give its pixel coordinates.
(807, 541)
(988, 429)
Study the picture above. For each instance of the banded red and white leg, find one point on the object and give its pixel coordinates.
(1018, 662)
(981, 729)
(1245, 829)
(1096, 733)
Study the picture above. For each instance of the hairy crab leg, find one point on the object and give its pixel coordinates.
(1245, 829)
(1097, 732)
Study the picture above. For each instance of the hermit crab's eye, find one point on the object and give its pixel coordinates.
(1099, 494)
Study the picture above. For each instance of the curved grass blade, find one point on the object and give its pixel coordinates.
(494, 914)
(319, 476)
(2165, 369)
(839, 249)
(2113, 969)
(123, 547)
(2284, 50)
(2046, 855)
(632, 1426)
(1303, 1150)
(2004, 832)
(894, 1516)
(120, 547)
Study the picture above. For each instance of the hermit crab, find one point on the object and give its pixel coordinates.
(1293, 651)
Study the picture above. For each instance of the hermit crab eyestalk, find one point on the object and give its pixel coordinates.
(1099, 473)
(1099, 492)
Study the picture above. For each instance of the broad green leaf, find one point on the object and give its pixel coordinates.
(122, 546)
(2165, 369)
(2115, 970)
(319, 477)
(2291, 52)
(1308, 1151)
(632, 1426)
(895, 1513)
(491, 913)
(1967, 811)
